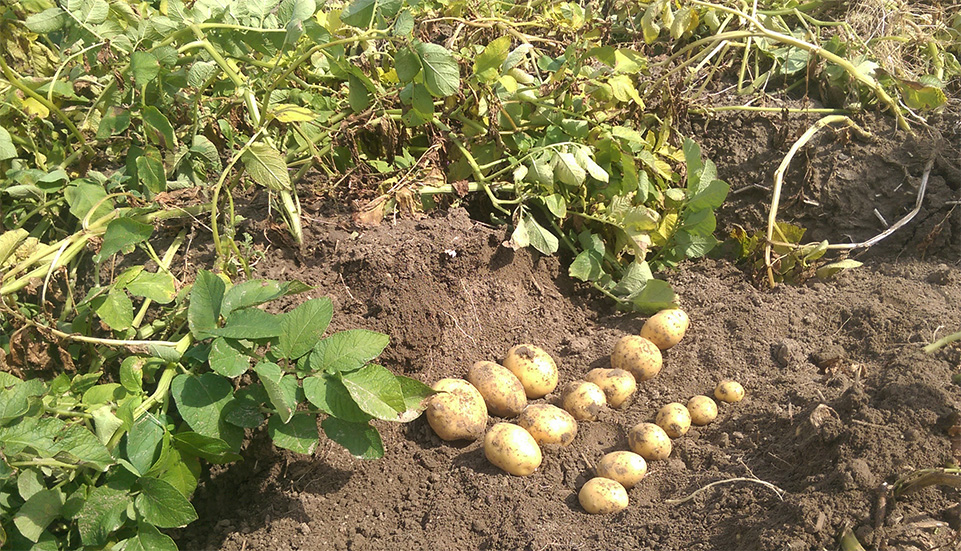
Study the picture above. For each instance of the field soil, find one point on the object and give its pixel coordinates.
(841, 401)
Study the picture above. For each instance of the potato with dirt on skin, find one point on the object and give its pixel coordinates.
(501, 389)
(666, 328)
(618, 384)
(703, 410)
(602, 496)
(512, 449)
(548, 424)
(534, 367)
(637, 355)
(583, 400)
(729, 391)
(457, 411)
(674, 418)
(649, 441)
(628, 468)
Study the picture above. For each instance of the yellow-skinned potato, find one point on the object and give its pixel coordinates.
(703, 410)
(512, 449)
(637, 355)
(729, 391)
(534, 367)
(583, 400)
(666, 328)
(625, 467)
(501, 389)
(674, 419)
(602, 496)
(618, 384)
(548, 424)
(649, 441)
(457, 411)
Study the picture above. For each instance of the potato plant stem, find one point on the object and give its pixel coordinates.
(849, 67)
(943, 341)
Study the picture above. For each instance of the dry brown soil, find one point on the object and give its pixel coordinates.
(841, 401)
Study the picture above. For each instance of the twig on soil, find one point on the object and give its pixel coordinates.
(780, 493)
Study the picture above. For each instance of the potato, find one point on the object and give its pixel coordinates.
(666, 328)
(602, 496)
(674, 419)
(641, 357)
(628, 468)
(512, 449)
(729, 391)
(618, 385)
(649, 441)
(458, 411)
(583, 400)
(548, 424)
(501, 389)
(703, 410)
(534, 367)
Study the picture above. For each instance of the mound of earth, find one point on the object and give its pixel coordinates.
(841, 401)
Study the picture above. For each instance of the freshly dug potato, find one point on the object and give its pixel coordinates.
(649, 441)
(641, 357)
(501, 389)
(602, 496)
(729, 391)
(674, 419)
(618, 384)
(548, 424)
(583, 400)
(703, 410)
(512, 449)
(534, 367)
(666, 328)
(458, 411)
(628, 468)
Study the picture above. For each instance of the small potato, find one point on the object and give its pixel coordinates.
(548, 424)
(703, 410)
(501, 389)
(729, 391)
(458, 411)
(628, 468)
(666, 328)
(618, 385)
(583, 400)
(641, 357)
(512, 449)
(534, 367)
(602, 496)
(674, 419)
(649, 441)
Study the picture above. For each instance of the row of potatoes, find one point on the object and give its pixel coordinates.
(460, 409)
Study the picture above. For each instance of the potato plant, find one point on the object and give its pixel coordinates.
(108, 456)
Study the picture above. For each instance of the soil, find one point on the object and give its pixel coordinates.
(841, 401)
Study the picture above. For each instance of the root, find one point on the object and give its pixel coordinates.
(780, 493)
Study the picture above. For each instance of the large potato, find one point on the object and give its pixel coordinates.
(583, 400)
(666, 328)
(703, 410)
(628, 468)
(641, 357)
(501, 389)
(534, 367)
(674, 418)
(649, 441)
(618, 384)
(457, 411)
(548, 424)
(602, 496)
(512, 449)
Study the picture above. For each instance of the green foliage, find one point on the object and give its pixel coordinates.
(87, 462)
